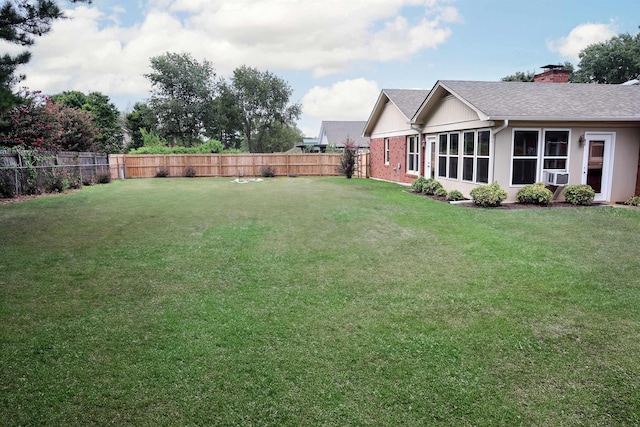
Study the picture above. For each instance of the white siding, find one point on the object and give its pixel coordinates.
(391, 123)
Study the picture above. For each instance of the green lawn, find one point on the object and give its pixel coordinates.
(314, 301)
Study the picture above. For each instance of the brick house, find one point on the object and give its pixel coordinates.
(394, 144)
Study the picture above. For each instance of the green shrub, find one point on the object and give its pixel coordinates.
(418, 183)
(454, 196)
(488, 195)
(634, 201)
(431, 186)
(441, 192)
(162, 172)
(211, 146)
(189, 172)
(579, 194)
(536, 194)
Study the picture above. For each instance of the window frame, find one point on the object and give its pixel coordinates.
(387, 152)
(544, 146)
(415, 141)
(537, 157)
(443, 157)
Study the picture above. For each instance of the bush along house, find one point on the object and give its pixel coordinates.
(470, 133)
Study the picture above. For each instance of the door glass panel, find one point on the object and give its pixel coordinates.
(594, 171)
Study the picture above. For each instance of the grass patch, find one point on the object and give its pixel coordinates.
(314, 302)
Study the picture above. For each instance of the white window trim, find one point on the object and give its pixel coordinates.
(416, 171)
(538, 157)
(566, 169)
(387, 153)
(473, 156)
(488, 157)
(445, 155)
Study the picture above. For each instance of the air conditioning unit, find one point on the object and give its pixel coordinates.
(558, 179)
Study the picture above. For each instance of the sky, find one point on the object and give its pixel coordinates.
(337, 55)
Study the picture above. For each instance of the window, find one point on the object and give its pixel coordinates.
(556, 149)
(524, 167)
(413, 155)
(453, 155)
(386, 151)
(442, 155)
(448, 155)
(475, 156)
(482, 157)
(468, 151)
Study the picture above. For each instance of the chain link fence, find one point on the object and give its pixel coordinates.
(25, 172)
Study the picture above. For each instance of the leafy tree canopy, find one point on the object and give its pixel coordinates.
(106, 117)
(614, 61)
(139, 121)
(183, 91)
(261, 102)
(40, 124)
(519, 76)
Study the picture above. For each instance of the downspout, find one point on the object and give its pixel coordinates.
(496, 131)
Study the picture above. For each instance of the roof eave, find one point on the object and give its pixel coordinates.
(563, 118)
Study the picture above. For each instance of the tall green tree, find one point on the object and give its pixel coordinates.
(21, 21)
(182, 93)
(140, 119)
(614, 61)
(262, 103)
(106, 117)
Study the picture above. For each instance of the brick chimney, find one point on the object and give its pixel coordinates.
(552, 74)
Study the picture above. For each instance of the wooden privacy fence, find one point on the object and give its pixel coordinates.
(27, 172)
(230, 165)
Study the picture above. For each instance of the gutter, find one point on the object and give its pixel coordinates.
(501, 128)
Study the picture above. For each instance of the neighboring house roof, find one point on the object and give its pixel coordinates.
(539, 101)
(407, 101)
(335, 133)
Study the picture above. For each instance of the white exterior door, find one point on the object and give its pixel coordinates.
(597, 164)
(428, 156)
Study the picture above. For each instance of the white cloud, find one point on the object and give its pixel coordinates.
(581, 37)
(344, 100)
(94, 51)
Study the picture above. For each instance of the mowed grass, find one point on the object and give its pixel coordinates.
(310, 301)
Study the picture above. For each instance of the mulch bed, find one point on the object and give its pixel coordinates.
(513, 206)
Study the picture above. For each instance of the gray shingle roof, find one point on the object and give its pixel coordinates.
(549, 101)
(338, 131)
(407, 100)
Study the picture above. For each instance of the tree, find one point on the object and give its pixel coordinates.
(224, 120)
(20, 22)
(348, 159)
(106, 117)
(182, 92)
(40, 124)
(281, 137)
(520, 76)
(614, 61)
(140, 119)
(262, 103)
